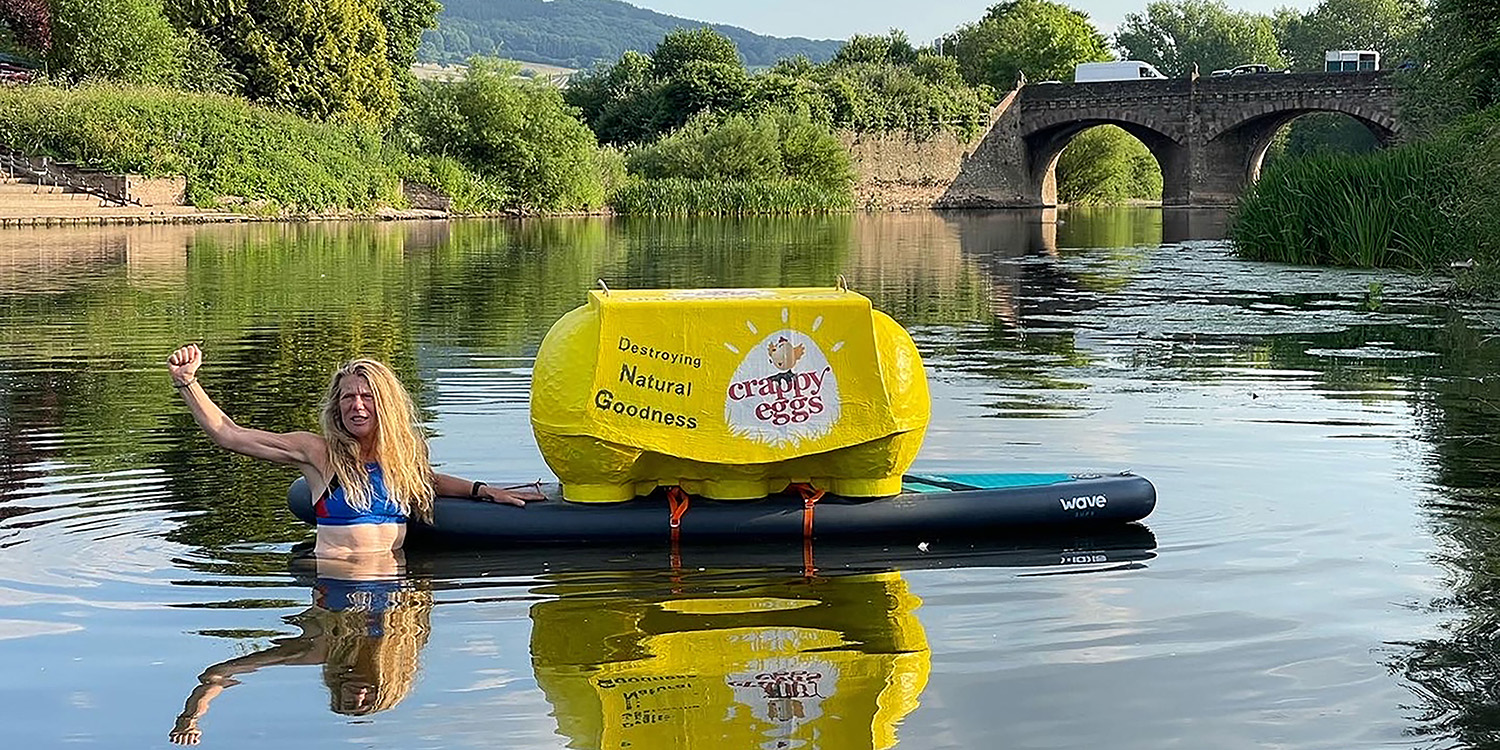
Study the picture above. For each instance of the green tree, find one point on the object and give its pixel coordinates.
(619, 102)
(878, 83)
(320, 60)
(404, 22)
(642, 96)
(699, 70)
(792, 85)
(774, 145)
(1327, 132)
(1176, 35)
(701, 86)
(1389, 27)
(1462, 53)
(1042, 39)
(682, 47)
(882, 96)
(892, 48)
(516, 131)
(122, 40)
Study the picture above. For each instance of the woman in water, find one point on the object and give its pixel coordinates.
(369, 468)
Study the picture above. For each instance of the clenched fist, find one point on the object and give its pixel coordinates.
(183, 364)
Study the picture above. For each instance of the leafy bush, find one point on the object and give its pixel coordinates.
(887, 96)
(513, 132)
(772, 146)
(469, 191)
(1476, 202)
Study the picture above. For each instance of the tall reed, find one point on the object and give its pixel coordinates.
(1391, 208)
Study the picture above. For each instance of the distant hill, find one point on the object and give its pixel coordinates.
(579, 33)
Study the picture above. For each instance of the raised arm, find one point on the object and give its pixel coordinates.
(301, 449)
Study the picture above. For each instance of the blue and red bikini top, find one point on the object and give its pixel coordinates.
(333, 509)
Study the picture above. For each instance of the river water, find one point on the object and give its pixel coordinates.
(1320, 571)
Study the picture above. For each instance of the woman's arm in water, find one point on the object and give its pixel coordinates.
(301, 449)
(217, 678)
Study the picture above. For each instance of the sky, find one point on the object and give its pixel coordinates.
(923, 20)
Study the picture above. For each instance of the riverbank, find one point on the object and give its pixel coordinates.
(27, 204)
(188, 215)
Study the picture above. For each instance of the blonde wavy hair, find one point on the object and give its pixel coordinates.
(400, 446)
(375, 651)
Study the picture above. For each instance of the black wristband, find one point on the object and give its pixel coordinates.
(474, 492)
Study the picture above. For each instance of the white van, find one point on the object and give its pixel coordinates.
(1120, 70)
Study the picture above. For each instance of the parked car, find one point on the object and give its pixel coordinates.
(1220, 73)
(1252, 69)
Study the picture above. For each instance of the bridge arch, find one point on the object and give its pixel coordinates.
(1045, 144)
(1246, 142)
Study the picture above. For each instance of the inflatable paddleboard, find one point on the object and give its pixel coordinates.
(928, 505)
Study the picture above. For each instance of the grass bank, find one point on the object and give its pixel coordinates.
(231, 151)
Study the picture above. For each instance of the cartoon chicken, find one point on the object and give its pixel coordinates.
(784, 356)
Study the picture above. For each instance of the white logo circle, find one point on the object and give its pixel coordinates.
(783, 392)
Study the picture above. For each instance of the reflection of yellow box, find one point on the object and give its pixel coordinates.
(831, 663)
(729, 393)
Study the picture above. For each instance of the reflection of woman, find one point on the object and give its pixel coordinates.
(366, 627)
(369, 467)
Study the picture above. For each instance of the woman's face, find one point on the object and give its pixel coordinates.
(357, 697)
(357, 406)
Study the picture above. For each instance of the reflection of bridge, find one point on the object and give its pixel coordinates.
(1208, 134)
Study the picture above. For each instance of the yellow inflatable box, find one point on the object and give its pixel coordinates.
(729, 393)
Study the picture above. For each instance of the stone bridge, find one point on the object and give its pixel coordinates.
(1208, 134)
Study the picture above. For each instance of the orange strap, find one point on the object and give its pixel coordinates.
(810, 497)
(677, 500)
